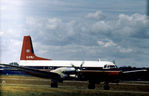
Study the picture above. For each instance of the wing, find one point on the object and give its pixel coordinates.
(134, 71)
(35, 72)
(133, 75)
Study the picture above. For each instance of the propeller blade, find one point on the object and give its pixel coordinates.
(113, 62)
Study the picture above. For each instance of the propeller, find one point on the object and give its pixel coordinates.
(113, 62)
(81, 65)
(78, 68)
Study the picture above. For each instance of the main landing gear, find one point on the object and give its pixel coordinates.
(91, 85)
(54, 83)
(106, 85)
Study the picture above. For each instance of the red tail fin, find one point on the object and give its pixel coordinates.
(28, 51)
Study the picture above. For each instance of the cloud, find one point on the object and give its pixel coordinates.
(96, 15)
(53, 23)
(3, 8)
(122, 36)
(124, 50)
(14, 3)
(122, 30)
(1, 34)
(107, 43)
(31, 21)
(130, 25)
(101, 26)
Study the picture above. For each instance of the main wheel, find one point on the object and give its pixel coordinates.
(106, 86)
(91, 86)
(54, 84)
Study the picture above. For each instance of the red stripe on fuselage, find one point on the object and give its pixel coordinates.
(96, 72)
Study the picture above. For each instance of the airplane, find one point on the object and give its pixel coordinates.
(59, 70)
(29, 59)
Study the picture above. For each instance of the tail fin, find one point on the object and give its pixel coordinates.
(28, 51)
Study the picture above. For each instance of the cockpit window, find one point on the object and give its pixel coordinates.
(109, 66)
(105, 66)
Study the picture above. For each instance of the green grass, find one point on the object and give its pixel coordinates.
(23, 90)
(32, 86)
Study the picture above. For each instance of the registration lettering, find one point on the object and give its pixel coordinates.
(30, 57)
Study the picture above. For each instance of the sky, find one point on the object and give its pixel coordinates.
(76, 30)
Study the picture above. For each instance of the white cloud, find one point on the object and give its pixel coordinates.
(53, 23)
(107, 43)
(1, 34)
(96, 15)
(3, 8)
(14, 2)
(14, 47)
(132, 20)
(30, 21)
(124, 50)
(100, 26)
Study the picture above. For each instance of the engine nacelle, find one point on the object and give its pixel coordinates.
(65, 72)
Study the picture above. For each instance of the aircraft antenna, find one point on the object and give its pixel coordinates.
(99, 59)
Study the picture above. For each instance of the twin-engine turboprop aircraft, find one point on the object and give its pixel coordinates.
(29, 59)
(59, 70)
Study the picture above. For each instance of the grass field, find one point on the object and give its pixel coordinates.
(32, 86)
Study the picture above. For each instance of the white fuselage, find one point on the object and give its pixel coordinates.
(63, 63)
